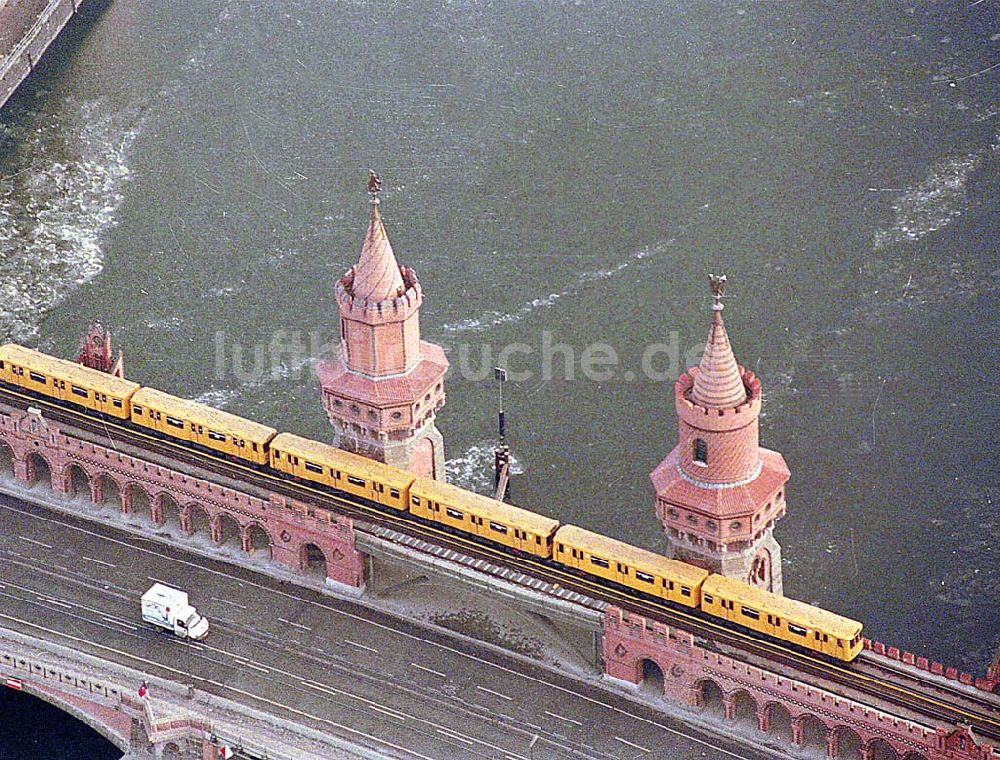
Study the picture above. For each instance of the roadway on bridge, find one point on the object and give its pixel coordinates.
(335, 665)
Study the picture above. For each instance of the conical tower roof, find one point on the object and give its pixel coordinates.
(376, 276)
(718, 384)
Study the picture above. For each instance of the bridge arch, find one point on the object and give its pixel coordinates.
(742, 707)
(880, 749)
(810, 732)
(197, 520)
(39, 470)
(6, 458)
(70, 708)
(650, 675)
(171, 751)
(914, 756)
(137, 499)
(845, 743)
(168, 511)
(312, 560)
(227, 531)
(777, 721)
(710, 697)
(76, 481)
(257, 541)
(108, 491)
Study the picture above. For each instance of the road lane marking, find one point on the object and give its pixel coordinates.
(561, 717)
(119, 622)
(458, 737)
(494, 693)
(337, 693)
(54, 601)
(98, 561)
(297, 625)
(226, 601)
(360, 646)
(428, 670)
(255, 666)
(320, 687)
(33, 541)
(634, 746)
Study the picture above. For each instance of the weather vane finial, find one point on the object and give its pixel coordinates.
(718, 285)
(374, 185)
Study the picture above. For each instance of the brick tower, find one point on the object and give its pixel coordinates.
(385, 386)
(718, 493)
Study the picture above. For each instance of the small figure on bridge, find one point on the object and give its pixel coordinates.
(143, 690)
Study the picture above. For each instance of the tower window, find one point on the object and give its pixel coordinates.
(700, 451)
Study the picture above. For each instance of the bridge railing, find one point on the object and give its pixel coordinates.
(988, 683)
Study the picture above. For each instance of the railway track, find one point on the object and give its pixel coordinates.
(930, 700)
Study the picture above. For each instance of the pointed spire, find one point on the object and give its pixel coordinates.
(718, 384)
(376, 275)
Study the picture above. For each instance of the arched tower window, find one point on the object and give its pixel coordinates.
(700, 451)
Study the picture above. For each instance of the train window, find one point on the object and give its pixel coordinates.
(454, 513)
(277, 454)
(254, 445)
(355, 481)
(709, 598)
(220, 437)
(750, 613)
(826, 638)
(670, 585)
(314, 468)
(561, 548)
(817, 635)
(136, 409)
(104, 398)
(1, 364)
(36, 377)
(644, 576)
(840, 643)
(495, 526)
(157, 414)
(797, 630)
(415, 500)
(538, 540)
(394, 493)
(117, 402)
(80, 391)
(598, 561)
(174, 422)
(336, 475)
(685, 591)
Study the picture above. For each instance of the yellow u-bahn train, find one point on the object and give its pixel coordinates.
(454, 509)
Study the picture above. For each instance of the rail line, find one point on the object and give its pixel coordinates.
(842, 674)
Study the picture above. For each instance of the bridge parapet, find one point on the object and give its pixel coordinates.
(988, 683)
(696, 676)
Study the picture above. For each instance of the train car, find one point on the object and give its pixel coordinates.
(629, 565)
(66, 381)
(520, 529)
(330, 466)
(203, 425)
(796, 622)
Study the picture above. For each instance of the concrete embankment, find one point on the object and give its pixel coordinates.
(27, 28)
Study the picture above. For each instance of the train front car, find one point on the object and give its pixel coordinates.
(456, 508)
(327, 465)
(66, 381)
(627, 565)
(202, 425)
(796, 622)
